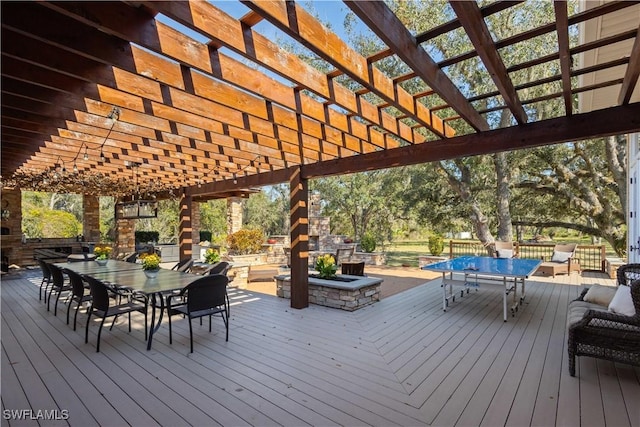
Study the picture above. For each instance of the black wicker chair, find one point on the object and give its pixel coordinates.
(78, 294)
(184, 265)
(46, 279)
(203, 297)
(101, 306)
(596, 332)
(58, 285)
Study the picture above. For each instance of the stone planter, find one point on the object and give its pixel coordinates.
(430, 259)
(349, 295)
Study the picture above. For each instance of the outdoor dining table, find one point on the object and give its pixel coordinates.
(131, 277)
(91, 267)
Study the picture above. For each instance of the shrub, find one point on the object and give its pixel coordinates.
(436, 245)
(368, 243)
(245, 241)
(147, 236)
(205, 236)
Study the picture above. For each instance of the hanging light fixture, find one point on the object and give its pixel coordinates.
(137, 208)
(113, 115)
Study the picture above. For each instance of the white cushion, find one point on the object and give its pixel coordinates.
(505, 253)
(559, 256)
(601, 295)
(622, 303)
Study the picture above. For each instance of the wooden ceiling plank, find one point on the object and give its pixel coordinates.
(385, 24)
(631, 75)
(331, 48)
(469, 15)
(223, 28)
(562, 28)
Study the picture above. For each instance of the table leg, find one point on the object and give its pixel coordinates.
(155, 326)
(444, 292)
(504, 299)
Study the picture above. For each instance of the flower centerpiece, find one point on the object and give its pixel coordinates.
(211, 256)
(102, 254)
(326, 266)
(150, 264)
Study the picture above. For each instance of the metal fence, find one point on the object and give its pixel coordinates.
(592, 257)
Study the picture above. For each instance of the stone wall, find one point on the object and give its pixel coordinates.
(234, 214)
(91, 218)
(195, 222)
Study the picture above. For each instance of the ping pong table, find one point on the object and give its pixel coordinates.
(471, 271)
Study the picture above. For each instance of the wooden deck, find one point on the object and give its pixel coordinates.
(401, 361)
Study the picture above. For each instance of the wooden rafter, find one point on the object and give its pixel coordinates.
(299, 24)
(226, 31)
(562, 28)
(190, 111)
(388, 27)
(631, 75)
(476, 28)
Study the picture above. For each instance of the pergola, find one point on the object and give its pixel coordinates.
(204, 105)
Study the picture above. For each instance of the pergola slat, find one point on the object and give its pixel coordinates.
(476, 28)
(326, 44)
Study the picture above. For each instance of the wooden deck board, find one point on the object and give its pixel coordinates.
(401, 361)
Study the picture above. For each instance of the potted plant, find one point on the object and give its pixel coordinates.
(211, 256)
(102, 254)
(326, 266)
(150, 265)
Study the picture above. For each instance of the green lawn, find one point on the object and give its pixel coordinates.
(407, 252)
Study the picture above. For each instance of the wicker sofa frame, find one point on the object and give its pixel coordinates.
(605, 335)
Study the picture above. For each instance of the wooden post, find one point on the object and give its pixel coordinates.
(299, 240)
(185, 238)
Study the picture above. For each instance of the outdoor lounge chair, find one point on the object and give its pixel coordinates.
(563, 260)
(612, 331)
(353, 268)
(505, 249)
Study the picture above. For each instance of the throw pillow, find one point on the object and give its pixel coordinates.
(622, 303)
(601, 295)
(505, 253)
(559, 256)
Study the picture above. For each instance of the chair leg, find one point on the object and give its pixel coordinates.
(190, 334)
(49, 299)
(55, 309)
(114, 321)
(75, 317)
(100, 332)
(69, 308)
(86, 331)
(209, 323)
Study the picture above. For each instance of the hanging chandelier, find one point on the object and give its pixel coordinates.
(137, 207)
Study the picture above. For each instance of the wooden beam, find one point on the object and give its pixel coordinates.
(632, 73)
(299, 24)
(299, 231)
(562, 28)
(477, 31)
(230, 33)
(386, 25)
(612, 121)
